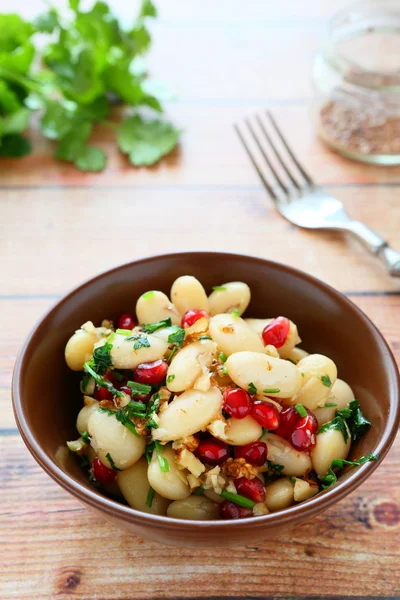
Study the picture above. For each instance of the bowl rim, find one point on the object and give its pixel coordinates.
(115, 509)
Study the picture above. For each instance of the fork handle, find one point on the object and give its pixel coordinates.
(377, 245)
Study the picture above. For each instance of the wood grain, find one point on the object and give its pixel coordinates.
(226, 60)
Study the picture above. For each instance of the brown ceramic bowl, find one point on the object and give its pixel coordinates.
(47, 399)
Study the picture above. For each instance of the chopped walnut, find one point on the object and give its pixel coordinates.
(165, 394)
(194, 482)
(140, 425)
(89, 401)
(214, 480)
(107, 323)
(107, 404)
(187, 460)
(237, 467)
(122, 401)
(189, 443)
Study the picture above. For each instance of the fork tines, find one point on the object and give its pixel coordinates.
(279, 162)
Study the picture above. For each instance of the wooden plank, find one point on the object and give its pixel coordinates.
(56, 548)
(210, 154)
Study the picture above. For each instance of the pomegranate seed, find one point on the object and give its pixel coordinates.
(230, 510)
(126, 390)
(276, 332)
(193, 315)
(103, 474)
(237, 403)
(251, 488)
(151, 373)
(266, 414)
(126, 321)
(289, 420)
(254, 453)
(101, 393)
(212, 451)
(302, 437)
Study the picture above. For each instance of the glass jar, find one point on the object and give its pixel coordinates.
(356, 77)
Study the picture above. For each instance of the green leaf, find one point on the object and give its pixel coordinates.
(150, 497)
(357, 423)
(74, 4)
(301, 410)
(91, 158)
(275, 467)
(326, 380)
(85, 436)
(222, 357)
(14, 146)
(56, 121)
(112, 463)
(146, 141)
(140, 341)
(251, 388)
(336, 423)
(330, 478)
(163, 462)
(170, 378)
(9, 101)
(199, 491)
(46, 22)
(147, 9)
(72, 144)
(152, 327)
(102, 360)
(235, 313)
(139, 388)
(177, 337)
(16, 50)
(16, 122)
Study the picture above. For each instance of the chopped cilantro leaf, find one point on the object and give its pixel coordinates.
(264, 431)
(235, 312)
(357, 423)
(177, 337)
(219, 288)
(140, 341)
(122, 416)
(275, 467)
(336, 423)
(271, 391)
(330, 478)
(301, 410)
(205, 337)
(224, 370)
(326, 380)
(124, 331)
(148, 295)
(112, 463)
(101, 381)
(101, 360)
(86, 437)
(152, 327)
(344, 413)
(150, 497)
(292, 479)
(251, 388)
(225, 414)
(139, 388)
(223, 357)
(170, 378)
(199, 491)
(329, 404)
(164, 464)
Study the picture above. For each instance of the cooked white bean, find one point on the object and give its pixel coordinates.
(189, 364)
(319, 374)
(233, 335)
(240, 432)
(84, 415)
(341, 395)
(213, 496)
(258, 325)
(79, 349)
(303, 490)
(109, 436)
(155, 306)
(173, 484)
(197, 508)
(296, 354)
(279, 494)
(134, 485)
(187, 292)
(188, 413)
(329, 445)
(281, 452)
(124, 355)
(235, 295)
(265, 372)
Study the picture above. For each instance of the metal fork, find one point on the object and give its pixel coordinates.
(301, 201)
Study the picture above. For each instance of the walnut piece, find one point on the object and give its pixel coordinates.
(237, 467)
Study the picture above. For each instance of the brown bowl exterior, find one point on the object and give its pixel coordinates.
(46, 394)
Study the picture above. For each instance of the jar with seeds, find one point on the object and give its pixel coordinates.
(356, 76)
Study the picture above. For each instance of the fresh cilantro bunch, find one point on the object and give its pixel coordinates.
(90, 63)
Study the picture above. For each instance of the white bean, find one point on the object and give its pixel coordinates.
(84, 415)
(189, 363)
(233, 335)
(155, 306)
(281, 452)
(240, 432)
(124, 355)
(279, 494)
(303, 490)
(265, 372)
(329, 445)
(296, 354)
(188, 413)
(258, 325)
(172, 484)
(109, 436)
(213, 496)
(235, 295)
(79, 349)
(134, 485)
(319, 374)
(187, 292)
(341, 395)
(197, 508)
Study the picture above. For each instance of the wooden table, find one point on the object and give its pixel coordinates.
(226, 60)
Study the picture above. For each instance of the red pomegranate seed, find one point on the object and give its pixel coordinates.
(126, 321)
(251, 488)
(230, 510)
(276, 332)
(103, 474)
(126, 390)
(212, 451)
(151, 373)
(303, 436)
(266, 414)
(289, 420)
(254, 453)
(237, 403)
(101, 393)
(193, 315)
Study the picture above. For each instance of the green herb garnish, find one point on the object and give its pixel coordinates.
(177, 337)
(139, 388)
(292, 361)
(336, 423)
(102, 360)
(264, 431)
(170, 378)
(124, 331)
(152, 408)
(237, 499)
(235, 312)
(122, 416)
(329, 404)
(164, 464)
(86, 437)
(101, 381)
(326, 380)
(199, 491)
(140, 341)
(292, 479)
(150, 497)
(357, 423)
(148, 295)
(152, 327)
(118, 376)
(171, 356)
(205, 337)
(330, 478)
(112, 463)
(275, 467)
(271, 391)
(225, 414)
(219, 288)
(301, 410)
(223, 357)
(224, 370)
(251, 388)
